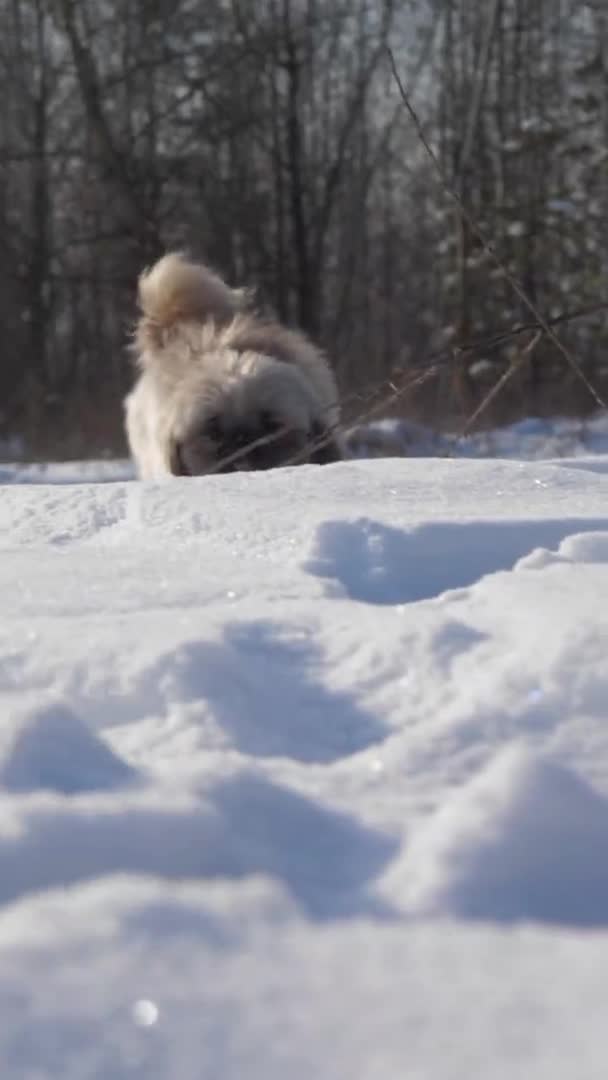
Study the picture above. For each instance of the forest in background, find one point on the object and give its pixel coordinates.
(271, 137)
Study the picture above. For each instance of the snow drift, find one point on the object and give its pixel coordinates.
(305, 772)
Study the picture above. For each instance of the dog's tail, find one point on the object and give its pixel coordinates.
(177, 290)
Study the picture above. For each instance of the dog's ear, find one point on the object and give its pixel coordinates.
(325, 447)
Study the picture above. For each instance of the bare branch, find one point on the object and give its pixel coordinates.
(487, 246)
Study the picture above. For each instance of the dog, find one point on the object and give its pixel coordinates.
(222, 388)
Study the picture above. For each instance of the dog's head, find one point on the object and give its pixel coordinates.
(258, 414)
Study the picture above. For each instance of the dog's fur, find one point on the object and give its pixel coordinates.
(221, 388)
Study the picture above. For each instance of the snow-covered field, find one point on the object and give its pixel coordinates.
(304, 774)
(535, 438)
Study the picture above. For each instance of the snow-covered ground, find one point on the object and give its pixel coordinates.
(305, 774)
(533, 439)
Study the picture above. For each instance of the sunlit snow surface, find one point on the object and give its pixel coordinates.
(304, 774)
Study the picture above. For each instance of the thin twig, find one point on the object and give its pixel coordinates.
(543, 323)
(364, 417)
(514, 366)
(503, 336)
(442, 357)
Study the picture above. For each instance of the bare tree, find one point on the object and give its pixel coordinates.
(268, 135)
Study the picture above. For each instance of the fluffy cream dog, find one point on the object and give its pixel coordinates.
(221, 388)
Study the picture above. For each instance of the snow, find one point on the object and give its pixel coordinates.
(499, 847)
(66, 472)
(533, 438)
(305, 773)
(39, 747)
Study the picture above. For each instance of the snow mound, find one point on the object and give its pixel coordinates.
(588, 547)
(526, 839)
(375, 563)
(48, 747)
(260, 690)
(237, 827)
